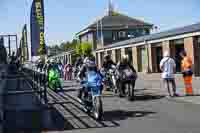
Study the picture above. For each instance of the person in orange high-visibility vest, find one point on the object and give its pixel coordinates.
(187, 72)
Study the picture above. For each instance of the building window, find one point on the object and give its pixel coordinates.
(128, 51)
(198, 41)
(90, 38)
(147, 32)
(107, 35)
(122, 34)
(114, 36)
(178, 42)
(118, 55)
(131, 34)
(176, 47)
(101, 56)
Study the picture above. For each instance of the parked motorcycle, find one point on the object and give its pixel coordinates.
(92, 95)
(54, 80)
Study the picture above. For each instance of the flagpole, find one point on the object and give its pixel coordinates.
(97, 32)
(102, 38)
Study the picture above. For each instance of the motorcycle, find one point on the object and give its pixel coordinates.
(92, 95)
(110, 80)
(54, 80)
(126, 83)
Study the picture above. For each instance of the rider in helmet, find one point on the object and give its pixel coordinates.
(88, 65)
(108, 63)
(122, 74)
(125, 64)
(40, 65)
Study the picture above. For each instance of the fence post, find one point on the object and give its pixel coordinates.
(40, 85)
(45, 88)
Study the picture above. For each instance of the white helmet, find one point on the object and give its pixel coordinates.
(125, 57)
(51, 60)
(86, 60)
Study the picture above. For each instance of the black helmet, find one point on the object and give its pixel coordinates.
(107, 57)
(92, 58)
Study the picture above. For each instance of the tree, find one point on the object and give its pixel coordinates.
(84, 48)
(68, 46)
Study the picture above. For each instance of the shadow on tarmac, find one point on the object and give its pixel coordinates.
(117, 115)
(147, 97)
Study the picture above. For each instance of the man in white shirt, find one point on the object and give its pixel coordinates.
(168, 68)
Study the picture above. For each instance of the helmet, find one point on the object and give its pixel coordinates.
(125, 58)
(86, 60)
(107, 57)
(51, 60)
(48, 61)
(92, 58)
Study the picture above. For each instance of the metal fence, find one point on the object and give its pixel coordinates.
(38, 81)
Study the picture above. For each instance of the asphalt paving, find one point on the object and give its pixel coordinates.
(149, 113)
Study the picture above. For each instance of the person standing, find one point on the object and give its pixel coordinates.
(187, 72)
(65, 71)
(60, 68)
(69, 72)
(168, 67)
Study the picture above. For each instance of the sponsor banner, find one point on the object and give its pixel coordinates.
(38, 46)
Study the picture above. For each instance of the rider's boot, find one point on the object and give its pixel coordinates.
(80, 92)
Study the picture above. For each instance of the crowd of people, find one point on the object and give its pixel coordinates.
(65, 70)
(82, 65)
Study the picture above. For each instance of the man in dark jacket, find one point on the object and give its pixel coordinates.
(108, 63)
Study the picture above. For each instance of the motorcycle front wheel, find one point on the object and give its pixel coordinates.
(98, 108)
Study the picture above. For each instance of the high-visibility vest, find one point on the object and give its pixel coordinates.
(186, 63)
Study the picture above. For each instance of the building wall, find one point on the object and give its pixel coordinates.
(150, 64)
(135, 58)
(114, 55)
(196, 45)
(112, 36)
(166, 47)
(143, 55)
(189, 47)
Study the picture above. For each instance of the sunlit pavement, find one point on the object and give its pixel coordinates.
(149, 113)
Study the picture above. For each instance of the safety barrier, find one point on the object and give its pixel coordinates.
(38, 81)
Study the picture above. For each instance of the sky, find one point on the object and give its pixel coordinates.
(64, 18)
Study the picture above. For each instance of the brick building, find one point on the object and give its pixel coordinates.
(146, 52)
(113, 27)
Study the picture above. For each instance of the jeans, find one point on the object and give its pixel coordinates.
(167, 83)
